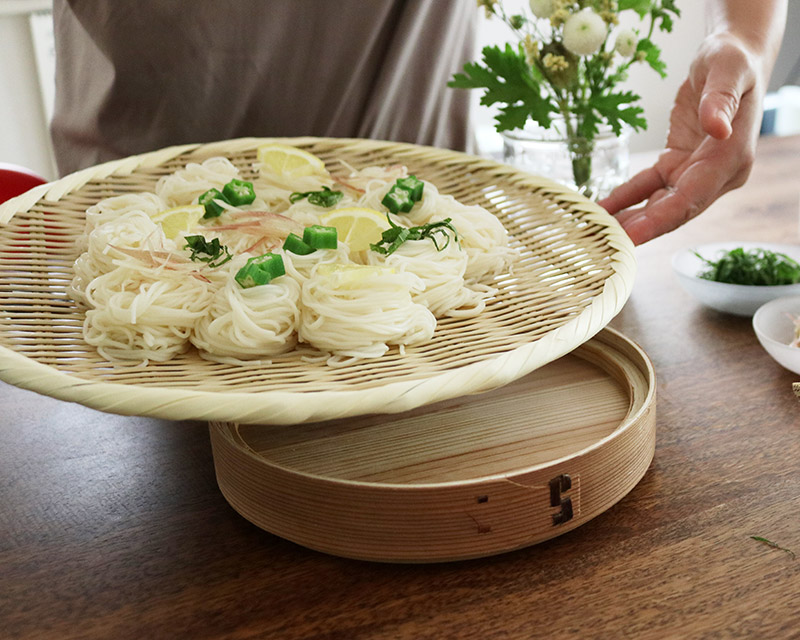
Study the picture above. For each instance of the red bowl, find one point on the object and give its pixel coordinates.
(15, 180)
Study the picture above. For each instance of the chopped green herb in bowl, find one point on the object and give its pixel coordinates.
(761, 267)
(738, 277)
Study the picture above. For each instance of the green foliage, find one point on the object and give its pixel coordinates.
(642, 7)
(652, 55)
(395, 236)
(752, 267)
(505, 76)
(326, 197)
(661, 15)
(526, 88)
(211, 252)
(550, 72)
(517, 21)
(508, 79)
(612, 107)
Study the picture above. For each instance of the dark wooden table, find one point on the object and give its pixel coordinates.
(113, 527)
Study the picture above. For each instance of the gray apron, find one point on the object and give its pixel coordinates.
(137, 75)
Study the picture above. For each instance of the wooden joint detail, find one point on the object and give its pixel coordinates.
(558, 486)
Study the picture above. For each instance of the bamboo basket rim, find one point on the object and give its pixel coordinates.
(242, 404)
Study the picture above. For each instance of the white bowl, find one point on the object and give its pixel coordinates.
(738, 299)
(775, 330)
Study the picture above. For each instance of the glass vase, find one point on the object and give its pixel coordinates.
(593, 168)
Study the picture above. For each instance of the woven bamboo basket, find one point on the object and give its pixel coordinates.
(575, 271)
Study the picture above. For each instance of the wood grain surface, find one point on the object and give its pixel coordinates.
(461, 479)
(114, 527)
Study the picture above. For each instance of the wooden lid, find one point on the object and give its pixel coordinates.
(459, 479)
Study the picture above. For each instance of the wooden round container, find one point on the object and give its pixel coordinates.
(464, 478)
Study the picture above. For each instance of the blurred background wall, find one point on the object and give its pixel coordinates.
(26, 93)
(26, 82)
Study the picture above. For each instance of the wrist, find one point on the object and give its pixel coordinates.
(729, 51)
(755, 27)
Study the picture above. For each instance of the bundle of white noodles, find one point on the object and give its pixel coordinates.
(246, 324)
(442, 273)
(115, 207)
(112, 241)
(307, 214)
(433, 206)
(148, 301)
(357, 311)
(483, 236)
(186, 185)
(145, 309)
(301, 267)
(369, 185)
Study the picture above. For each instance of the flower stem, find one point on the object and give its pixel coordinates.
(580, 152)
(582, 172)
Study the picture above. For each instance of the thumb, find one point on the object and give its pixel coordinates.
(720, 99)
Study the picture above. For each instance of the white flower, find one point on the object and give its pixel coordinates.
(584, 32)
(626, 42)
(542, 8)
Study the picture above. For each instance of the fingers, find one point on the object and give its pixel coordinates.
(692, 184)
(729, 75)
(671, 207)
(713, 129)
(646, 223)
(644, 184)
(638, 189)
(718, 107)
(716, 113)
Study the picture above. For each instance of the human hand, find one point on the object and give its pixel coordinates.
(713, 130)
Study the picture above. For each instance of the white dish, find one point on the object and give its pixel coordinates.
(737, 299)
(774, 328)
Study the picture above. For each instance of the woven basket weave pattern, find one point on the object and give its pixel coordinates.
(574, 272)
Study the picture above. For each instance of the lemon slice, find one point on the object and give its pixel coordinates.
(174, 221)
(356, 226)
(290, 161)
(350, 276)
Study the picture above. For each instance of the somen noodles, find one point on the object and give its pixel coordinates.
(242, 266)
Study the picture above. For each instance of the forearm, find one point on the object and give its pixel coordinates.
(758, 24)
